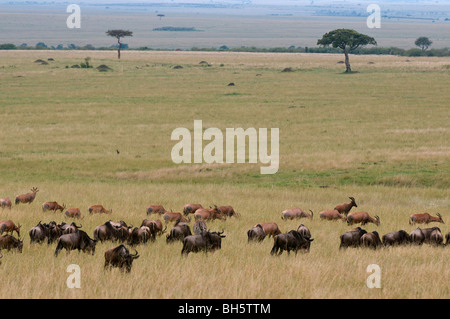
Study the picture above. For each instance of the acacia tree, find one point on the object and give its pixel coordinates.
(118, 34)
(346, 39)
(423, 43)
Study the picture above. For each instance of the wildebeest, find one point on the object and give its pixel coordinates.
(199, 226)
(427, 233)
(216, 240)
(417, 236)
(120, 257)
(54, 206)
(174, 216)
(292, 240)
(78, 240)
(371, 240)
(73, 212)
(154, 224)
(296, 213)
(352, 238)
(363, 218)
(205, 242)
(69, 228)
(228, 211)
(256, 233)
(179, 231)
(345, 208)
(304, 231)
(331, 215)
(436, 237)
(28, 197)
(270, 229)
(8, 226)
(191, 208)
(400, 237)
(425, 218)
(39, 233)
(209, 213)
(447, 239)
(99, 209)
(155, 209)
(141, 235)
(9, 242)
(112, 231)
(5, 202)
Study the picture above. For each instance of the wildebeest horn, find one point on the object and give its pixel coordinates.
(312, 213)
(136, 254)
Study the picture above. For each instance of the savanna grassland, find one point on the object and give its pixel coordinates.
(380, 135)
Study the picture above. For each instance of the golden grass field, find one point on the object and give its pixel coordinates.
(380, 135)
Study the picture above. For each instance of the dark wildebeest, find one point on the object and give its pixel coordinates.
(292, 240)
(352, 238)
(209, 213)
(196, 243)
(345, 208)
(5, 202)
(417, 236)
(436, 237)
(39, 233)
(54, 231)
(141, 235)
(371, 240)
(191, 208)
(8, 226)
(447, 239)
(425, 218)
(427, 233)
(69, 228)
(304, 231)
(179, 231)
(112, 231)
(216, 240)
(54, 206)
(73, 212)
(256, 233)
(99, 209)
(296, 213)
(120, 257)
(155, 209)
(199, 226)
(27, 198)
(270, 229)
(400, 237)
(363, 218)
(332, 215)
(78, 240)
(154, 224)
(9, 242)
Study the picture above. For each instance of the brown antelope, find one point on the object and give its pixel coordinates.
(27, 198)
(155, 209)
(8, 226)
(270, 229)
(363, 218)
(229, 211)
(5, 202)
(99, 209)
(54, 206)
(331, 215)
(73, 212)
(191, 208)
(425, 218)
(345, 208)
(174, 216)
(209, 213)
(154, 224)
(296, 213)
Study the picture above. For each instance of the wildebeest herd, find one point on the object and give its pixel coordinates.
(200, 238)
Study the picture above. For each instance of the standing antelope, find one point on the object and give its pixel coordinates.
(425, 218)
(345, 208)
(27, 198)
(54, 206)
(363, 218)
(99, 209)
(5, 202)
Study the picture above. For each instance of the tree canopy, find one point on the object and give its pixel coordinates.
(423, 43)
(118, 34)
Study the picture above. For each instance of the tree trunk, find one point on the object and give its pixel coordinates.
(347, 62)
(118, 50)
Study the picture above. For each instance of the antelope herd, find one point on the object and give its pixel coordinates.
(71, 237)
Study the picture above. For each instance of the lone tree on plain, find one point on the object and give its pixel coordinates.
(423, 43)
(346, 39)
(118, 34)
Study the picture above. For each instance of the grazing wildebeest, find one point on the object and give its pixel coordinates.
(196, 243)
(256, 233)
(28, 197)
(371, 240)
(400, 237)
(78, 240)
(5, 202)
(141, 235)
(174, 216)
(73, 212)
(425, 218)
(39, 233)
(199, 226)
(9, 242)
(270, 229)
(209, 213)
(228, 211)
(363, 218)
(156, 225)
(352, 238)
(447, 239)
(216, 240)
(345, 208)
(436, 237)
(8, 226)
(155, 209)
(99, 209)
(427, 233)
(417, 236)
(179, 231)
(191, 208)
(304, 231)
(69, 228)
(332, 215)
(112, 231)
(292, 240)
(120, 257)
(54, 206)
(296, 213)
